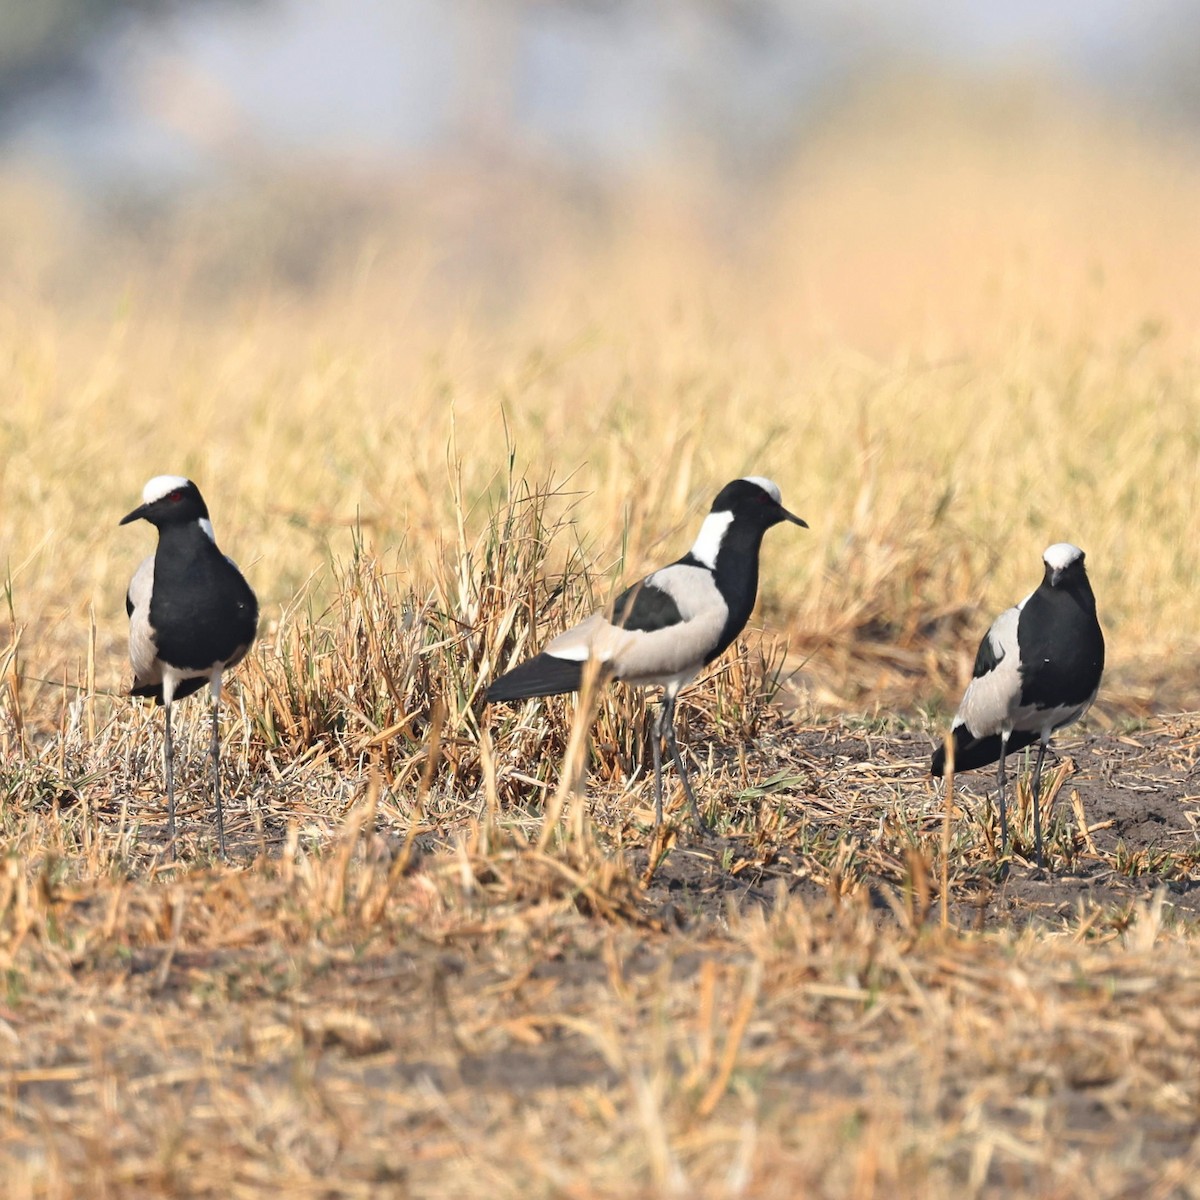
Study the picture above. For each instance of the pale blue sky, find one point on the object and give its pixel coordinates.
(605, 85)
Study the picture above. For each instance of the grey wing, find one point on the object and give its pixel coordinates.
(646, 607)
(143, 648)
(659, 650)
(992, 696)
(681, 648)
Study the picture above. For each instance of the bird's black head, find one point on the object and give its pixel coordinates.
(1064, 565)
(754, 501)
(169, 500)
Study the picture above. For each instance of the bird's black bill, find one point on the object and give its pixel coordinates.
(137, 514)
(795, 520)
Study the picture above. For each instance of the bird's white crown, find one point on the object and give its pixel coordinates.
(767, 485)
(1061, 555)
(163, 485)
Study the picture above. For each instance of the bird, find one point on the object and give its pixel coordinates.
(1037, 670)
(669, 625)
(192, 616)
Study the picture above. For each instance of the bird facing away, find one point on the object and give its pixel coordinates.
(1037, 670)
(191, 617)
(665, 628)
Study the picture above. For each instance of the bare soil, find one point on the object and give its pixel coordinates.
(1140, 793)
(773, 1010)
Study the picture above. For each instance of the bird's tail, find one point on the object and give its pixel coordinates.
(971, 752)
(542, 675)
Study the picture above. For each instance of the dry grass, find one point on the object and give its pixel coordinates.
(468, 1029)
(432, 968)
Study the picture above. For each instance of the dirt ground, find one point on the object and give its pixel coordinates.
(1140, 793)
(774, 1010)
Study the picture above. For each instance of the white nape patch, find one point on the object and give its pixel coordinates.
(1061, 555)
(767, 485)
(712, 533)
(162, 485)
(206, 525)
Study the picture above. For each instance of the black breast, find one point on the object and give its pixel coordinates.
(1062, 646)
(202, 611)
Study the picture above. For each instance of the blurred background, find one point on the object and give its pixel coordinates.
(824, 144)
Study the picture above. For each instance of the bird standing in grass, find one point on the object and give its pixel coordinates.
(192, 616)
(1037, 670)
(665, 628)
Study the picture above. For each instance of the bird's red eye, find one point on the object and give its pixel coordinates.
(175, 496)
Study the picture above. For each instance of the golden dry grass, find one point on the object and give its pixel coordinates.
(279, 1029)
(420, 975)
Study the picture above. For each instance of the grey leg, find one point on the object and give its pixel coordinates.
(1037, 802)
(1003, 797)
(169, 768)
(656, 739)
(677, 758)
(215, 751)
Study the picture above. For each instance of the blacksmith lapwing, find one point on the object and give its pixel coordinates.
(665, 628)
(192, 616)
(1037, 670)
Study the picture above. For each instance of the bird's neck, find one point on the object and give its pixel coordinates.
(735, 571)
(709, 540)
(187, 540)
(1086, 597)
(1080, 593)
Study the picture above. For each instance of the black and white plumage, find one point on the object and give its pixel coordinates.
(192, 616)
(667, 627)
(1037, 670)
